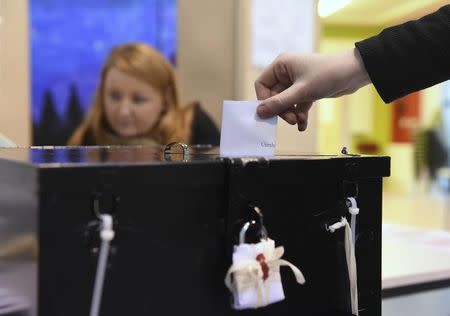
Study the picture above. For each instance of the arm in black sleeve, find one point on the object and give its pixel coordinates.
(204, 131)
(409, 57)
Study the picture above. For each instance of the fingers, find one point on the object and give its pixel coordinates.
(302, 115)
(297, 115)
(266, 80)
(262, 92)
(279, 103)
(302, 121)
(290, 116)
(281, 96)
(266, 92)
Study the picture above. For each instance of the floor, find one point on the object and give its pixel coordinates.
(432, 303)
(416, 246)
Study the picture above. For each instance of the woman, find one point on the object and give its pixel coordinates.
(137, 103)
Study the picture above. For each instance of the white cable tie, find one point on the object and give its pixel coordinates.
(350, 256)
(353, 209)
(107, 221)
(337, 225)
(106, 235)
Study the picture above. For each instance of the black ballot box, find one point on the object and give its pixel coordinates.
(176, 218)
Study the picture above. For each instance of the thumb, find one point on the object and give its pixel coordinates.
(279, 103)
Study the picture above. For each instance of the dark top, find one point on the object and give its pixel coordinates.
(409, 57)
(204, 130)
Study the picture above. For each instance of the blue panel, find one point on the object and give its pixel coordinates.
(70, 40)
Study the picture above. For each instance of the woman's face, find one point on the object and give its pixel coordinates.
(132, 107)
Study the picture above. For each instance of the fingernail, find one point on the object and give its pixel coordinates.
(302, 126)
(263, 111)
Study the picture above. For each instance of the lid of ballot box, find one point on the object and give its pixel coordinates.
(86, 156)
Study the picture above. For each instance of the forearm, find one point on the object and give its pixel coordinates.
(410, 56)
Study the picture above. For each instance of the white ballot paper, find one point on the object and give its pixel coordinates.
(244, 133)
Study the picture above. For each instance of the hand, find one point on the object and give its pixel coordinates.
(290, 85)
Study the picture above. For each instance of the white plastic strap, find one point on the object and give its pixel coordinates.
(353, 210)
(351, 261)
(106, 235)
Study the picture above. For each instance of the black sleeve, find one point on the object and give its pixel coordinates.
(409, 57)
(204, 131)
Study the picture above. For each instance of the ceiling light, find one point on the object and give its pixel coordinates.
(328, 7)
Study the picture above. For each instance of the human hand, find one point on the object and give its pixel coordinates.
(289, 86)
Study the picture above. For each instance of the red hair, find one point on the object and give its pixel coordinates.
(144, 63)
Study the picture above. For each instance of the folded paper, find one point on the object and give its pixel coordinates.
(244, 133)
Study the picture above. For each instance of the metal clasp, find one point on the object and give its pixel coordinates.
(168, 151)
(95, 204)
(244, 229)
(345, 152)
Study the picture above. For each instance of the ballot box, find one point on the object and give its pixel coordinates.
(177, 215)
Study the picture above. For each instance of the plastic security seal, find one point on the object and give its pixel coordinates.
(254, 277)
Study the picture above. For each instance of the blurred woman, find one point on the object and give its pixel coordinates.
(137, 103)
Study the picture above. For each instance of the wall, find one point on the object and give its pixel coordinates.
(206, 52)
(14, 78)
(343, 119)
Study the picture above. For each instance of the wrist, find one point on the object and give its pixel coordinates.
(360, 77)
